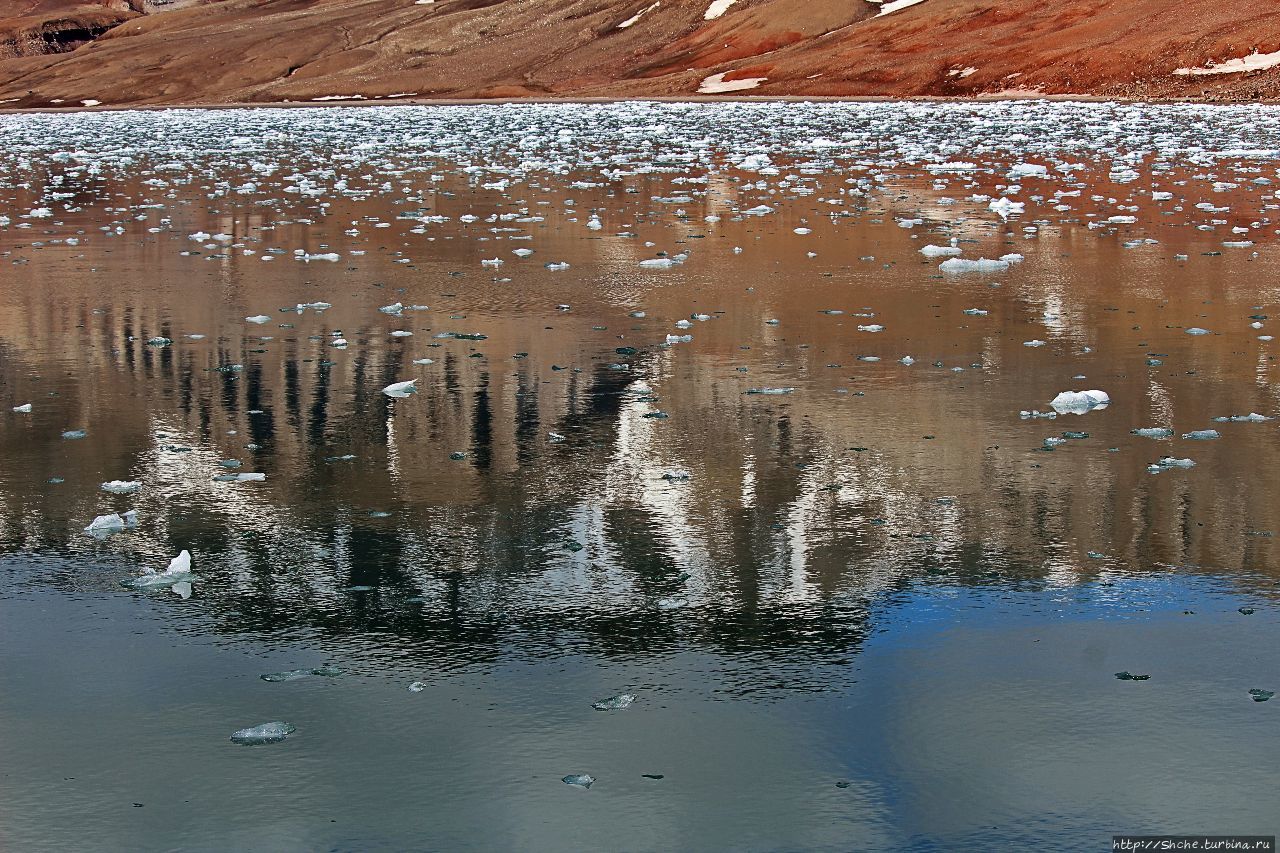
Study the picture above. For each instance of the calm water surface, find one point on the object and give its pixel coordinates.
(882, 610)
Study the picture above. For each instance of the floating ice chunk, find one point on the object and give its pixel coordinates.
(491, 262)
(315, 306)
(580, 780)
(1196, 330)
(24, 409)
(802, 231)
(758, 210)
(272, 732)
(105, 525)
(340, 343)
(296, 674)
(1027, 170)
(932, 251)
(1079, 402)
(179, 571)
(121, 487)
(658, 263)
(871, 327)
(679, 339)
(1202, 435)
(401, 389)
(258, 319)
(907, 360)
(614, 703)
(769, 390)
(417, 687)
(1003, 207)
(1251, 418)
(1152, 432)
(248, 477)
(1033, 343)
(965, 265)
(522, 253)
(401, 333)
(332, 257)
(395, 308)
(182, 589)
(1170, 462)
(72, 434)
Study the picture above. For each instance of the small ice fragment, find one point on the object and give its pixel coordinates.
(1202, 435)
(581, 780)
(179, 571)
(1170, 462)
(417, 687)
(273, 732)
(1251, 418)
(769, 390)
(395, 308)
(1152, 432)
(401, 389)
(614, 703)
(121, 487)
(907, 360)
(258, 318)
(963, 265)
(1129, 676)
(1033, 344)
(872, 327)
(73, 434)
(1196, 330)
(24, 409)
(1260, 695)
(182, 589)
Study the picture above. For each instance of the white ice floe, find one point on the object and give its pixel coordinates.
(121, 487)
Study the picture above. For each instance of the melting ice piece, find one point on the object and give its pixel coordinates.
(121, 487)
(258, 318)
(401, 389)
(25, 408)
(658, 263)
(769, 390)
(182, 589)
(273, 732)
(964, 265)
(1251, 418)
(1202, 435)
(395, 308)
(1003, 207)
(614, 703)
(873, 327)
(417, 687)
(1152, 432)
(296, 674)
(105, 525)
(1079, 402)
(1169, 462)
(73, 434)
(1196, 330)
(580, 780)
(932, 251)
(179, 571)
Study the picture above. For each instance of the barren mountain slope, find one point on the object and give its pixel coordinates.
(303, 50)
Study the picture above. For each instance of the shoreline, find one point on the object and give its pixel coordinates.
(667, 99)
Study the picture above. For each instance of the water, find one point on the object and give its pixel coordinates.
(874, 612)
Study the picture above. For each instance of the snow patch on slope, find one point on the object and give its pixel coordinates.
(895, 6)
(1253, 62)
(717, 8)
(715, 84)
(629, 21)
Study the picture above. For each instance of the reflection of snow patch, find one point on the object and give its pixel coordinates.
(716, 84)
(1253, 62)
(895, 5)
(717, 8)
(629, 21)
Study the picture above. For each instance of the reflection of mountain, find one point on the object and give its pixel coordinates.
(800, 509)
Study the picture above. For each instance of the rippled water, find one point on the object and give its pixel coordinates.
(881, 610)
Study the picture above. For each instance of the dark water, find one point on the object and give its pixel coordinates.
(878, 611)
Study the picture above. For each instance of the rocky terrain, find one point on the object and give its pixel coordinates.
(60, 53)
